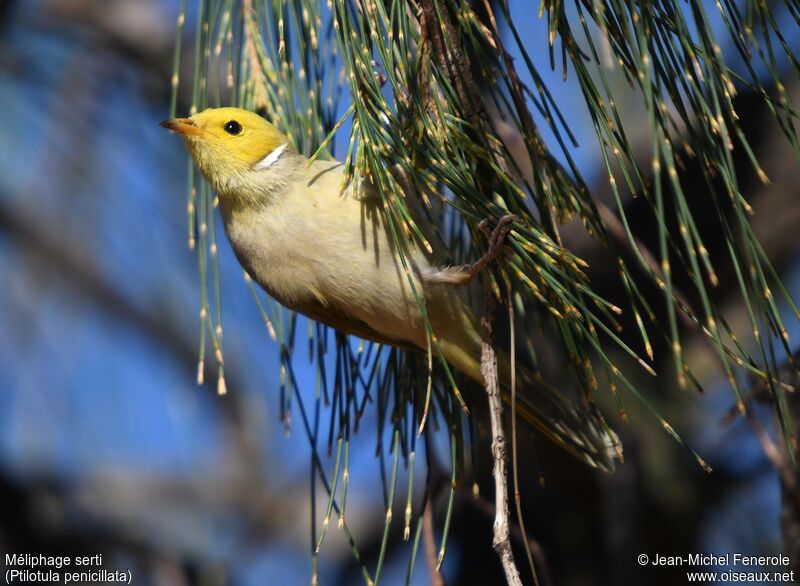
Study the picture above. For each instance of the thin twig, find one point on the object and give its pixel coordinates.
(486, 507)
(430, 546)
(501, 541)
(514, 469)
(440, 31)
(773, 454)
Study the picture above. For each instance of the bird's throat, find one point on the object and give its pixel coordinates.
(257, 188)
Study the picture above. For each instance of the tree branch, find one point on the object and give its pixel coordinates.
(486, 507)
(501, 542)
(430, 546)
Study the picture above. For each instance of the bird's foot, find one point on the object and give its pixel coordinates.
(464, 274)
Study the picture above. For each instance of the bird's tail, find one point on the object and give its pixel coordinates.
(577, 428)
(580, 429)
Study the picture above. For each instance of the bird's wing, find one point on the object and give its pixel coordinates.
(421, 214)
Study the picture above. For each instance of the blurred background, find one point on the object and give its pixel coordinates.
(108, 446)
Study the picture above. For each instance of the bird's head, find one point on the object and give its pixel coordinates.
(229, 144)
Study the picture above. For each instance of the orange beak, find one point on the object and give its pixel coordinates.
(183, 126)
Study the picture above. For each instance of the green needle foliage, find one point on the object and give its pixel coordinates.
(397, 82)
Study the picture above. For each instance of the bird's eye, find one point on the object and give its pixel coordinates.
(233, 128)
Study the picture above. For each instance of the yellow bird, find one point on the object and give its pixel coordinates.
(327, 255)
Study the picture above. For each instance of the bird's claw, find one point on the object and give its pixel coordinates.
(496, 236)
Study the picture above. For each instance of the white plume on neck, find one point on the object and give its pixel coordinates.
(271, 158)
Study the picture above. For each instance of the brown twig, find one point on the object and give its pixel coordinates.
(789, 485)
(430, 546)
(487, 507)
(779, 455)
(501, 541)
(439, 30)
(514, 468)
(789, 488)
(790, 492)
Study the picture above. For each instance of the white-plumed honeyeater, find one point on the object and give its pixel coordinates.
(328, 255)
